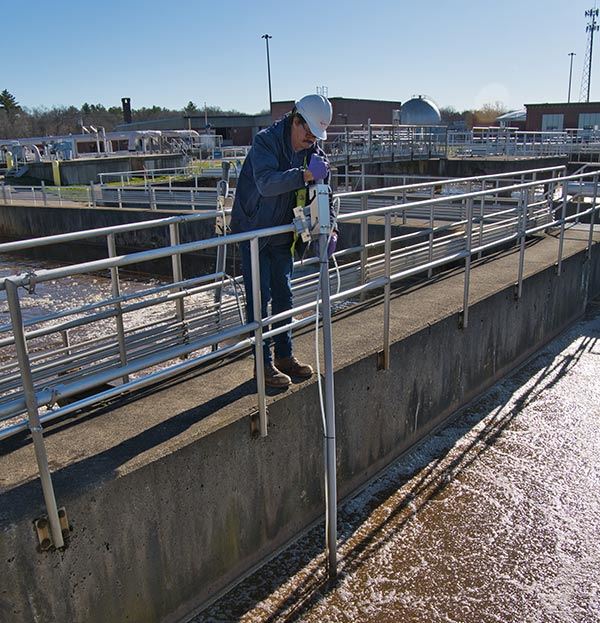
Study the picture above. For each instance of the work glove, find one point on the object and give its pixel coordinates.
(331, 245)
(318, 166)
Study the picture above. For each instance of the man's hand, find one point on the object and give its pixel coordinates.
(318, 168)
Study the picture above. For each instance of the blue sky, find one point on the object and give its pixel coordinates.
(462, 53)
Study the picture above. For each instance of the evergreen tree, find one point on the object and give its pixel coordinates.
(8, 102)
(190, 108)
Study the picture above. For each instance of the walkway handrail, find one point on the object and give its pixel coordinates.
(66, 371)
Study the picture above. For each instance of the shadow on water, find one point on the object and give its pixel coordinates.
(433, 471)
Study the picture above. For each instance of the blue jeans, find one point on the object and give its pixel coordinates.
(276, 266)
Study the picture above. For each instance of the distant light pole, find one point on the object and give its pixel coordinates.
(571, 54)
(266, 38)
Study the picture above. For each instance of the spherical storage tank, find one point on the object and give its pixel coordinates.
(420, 111)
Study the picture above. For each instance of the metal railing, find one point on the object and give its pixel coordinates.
(373, 142)
(397, 188)
(101, 348)
(376, 142)
(194, 170)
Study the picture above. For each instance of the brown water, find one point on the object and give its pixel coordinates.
(494, 519)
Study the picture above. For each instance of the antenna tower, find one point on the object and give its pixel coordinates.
(586, 80)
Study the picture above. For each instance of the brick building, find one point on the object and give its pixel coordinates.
(348, 110)
(241, 129)
(548, 117)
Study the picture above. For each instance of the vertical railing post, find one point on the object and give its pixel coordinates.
(119, 197)
(64, 334)
(4, 200)
(561, 240)
(364, 239)
(177, 269)
(522, 228)
(387, 290)
(592, 219)
(93, 194)
(44, 194)
(34, 423)
(431, 226)
(469, 232)
(481, 219)
(60, 201)
(115, 288)
(259, 360)
(153, 198)
(551, 188)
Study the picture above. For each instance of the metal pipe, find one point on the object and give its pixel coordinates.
(259, 360)
(562, 229)
(592, 219)
(329, 433)
(387, 292)
(364, 239)
(116, 293)
(431, 226)
(465, 312)
(35, 427)
(522, 235)
(177, 271)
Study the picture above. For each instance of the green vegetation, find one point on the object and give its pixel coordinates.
(21, 122)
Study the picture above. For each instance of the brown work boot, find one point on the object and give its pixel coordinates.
(274, 377)
(292, 367)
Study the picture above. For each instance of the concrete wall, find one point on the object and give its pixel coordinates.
(152, 541)
(84, 171)
(20, 222)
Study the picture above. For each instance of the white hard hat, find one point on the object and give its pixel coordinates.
(317, 113)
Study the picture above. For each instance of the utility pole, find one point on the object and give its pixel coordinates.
(571, 54)
(266, 38)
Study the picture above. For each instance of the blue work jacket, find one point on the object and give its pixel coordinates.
(272, 172)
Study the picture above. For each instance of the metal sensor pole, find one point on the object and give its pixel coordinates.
(329, 438)
(322, 219)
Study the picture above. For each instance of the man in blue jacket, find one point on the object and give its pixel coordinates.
(283, 161)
